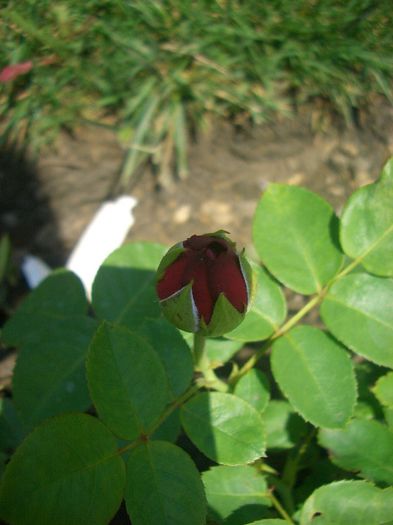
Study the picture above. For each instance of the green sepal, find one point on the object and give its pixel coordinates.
(249, 276)
(222, 234)
(224, 319)
(171, 255)
(179, 310)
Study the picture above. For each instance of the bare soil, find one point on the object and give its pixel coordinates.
(46, 204)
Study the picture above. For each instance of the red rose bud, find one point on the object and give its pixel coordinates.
(204, 285)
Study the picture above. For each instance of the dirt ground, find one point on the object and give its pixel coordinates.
(46, 205)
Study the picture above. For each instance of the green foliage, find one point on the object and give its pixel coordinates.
(365, 326)
(173, 352)
(284, 428)
(231, 488)
(367, 225)
(355, 502)
(50, 373)
(225, 428)
(123, 290)
(59, 297)
(291, 422)
(253, 387)
(316, 375)
(12, 429)
(301, 225)
(383, 389)
(163, 486)
(66, 471)
(119, 366)
(160, 69)
(354, 448)
(53, 332)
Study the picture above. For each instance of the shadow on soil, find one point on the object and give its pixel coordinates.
(25, 208)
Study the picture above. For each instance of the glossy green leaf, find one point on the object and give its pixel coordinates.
(66, 471)
(50, 376)
(253, 387)
(267, 311)
(228, 489)
(224, 427)
(358, 311)
(383, 390)
(124, 287)
(284, 428)
(127, 381)
(367, 225)
(349, 503)
(315, 373)
(173, 351)
(364, 446)
(295, 233)
(163, 486)
(59, 296)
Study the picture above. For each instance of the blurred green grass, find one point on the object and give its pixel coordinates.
(156, 71)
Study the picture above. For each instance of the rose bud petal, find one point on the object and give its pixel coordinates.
(204, 285)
